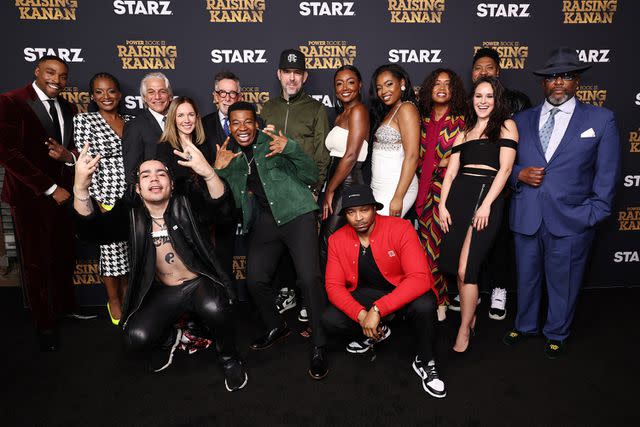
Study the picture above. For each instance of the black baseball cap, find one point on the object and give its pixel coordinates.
(358, 195)
(292, 59)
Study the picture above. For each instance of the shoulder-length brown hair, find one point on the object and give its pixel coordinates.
(171, 134)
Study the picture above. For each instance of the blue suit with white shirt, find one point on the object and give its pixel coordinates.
(554, 223)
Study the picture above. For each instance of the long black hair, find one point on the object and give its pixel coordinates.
(457, 104)
(497, 116)
(339, 108)
(378, 108)
(102, 75)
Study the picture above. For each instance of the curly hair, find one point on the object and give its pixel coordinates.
(457, 103)
(499, 113)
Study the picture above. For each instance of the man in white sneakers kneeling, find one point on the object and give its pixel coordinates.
(376, 267)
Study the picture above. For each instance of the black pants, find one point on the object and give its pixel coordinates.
(267, 241)
(421, 312)
(335, 220)
(499, 270)
(150, 326)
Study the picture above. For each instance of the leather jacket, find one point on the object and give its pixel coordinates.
(187, 220)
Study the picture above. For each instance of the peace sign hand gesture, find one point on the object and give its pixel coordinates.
(224, 155)
(84, 168)
(277, 143)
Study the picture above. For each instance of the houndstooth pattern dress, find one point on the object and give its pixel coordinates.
(108, 183)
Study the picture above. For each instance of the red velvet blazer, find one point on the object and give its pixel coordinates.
(25, 125)
(398, 254)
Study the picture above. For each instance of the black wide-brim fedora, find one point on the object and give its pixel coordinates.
(562, 60)
(358, 195)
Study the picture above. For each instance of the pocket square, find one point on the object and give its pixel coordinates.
(589, 133)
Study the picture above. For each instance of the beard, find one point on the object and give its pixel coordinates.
(555, 101)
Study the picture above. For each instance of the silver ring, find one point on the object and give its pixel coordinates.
(189, 157)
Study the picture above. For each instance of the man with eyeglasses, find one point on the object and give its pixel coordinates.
(564, 180)
(141, 135)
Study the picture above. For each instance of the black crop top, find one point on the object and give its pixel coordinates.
(482, 152)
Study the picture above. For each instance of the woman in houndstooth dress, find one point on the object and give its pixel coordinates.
(102, 130)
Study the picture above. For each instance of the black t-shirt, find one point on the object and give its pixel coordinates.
(254, 185)
(369, 275)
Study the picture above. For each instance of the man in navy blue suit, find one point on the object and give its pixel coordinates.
(564, 178)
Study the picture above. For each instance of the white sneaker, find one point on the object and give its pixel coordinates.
(498, 304)
(364, 345)
(455, 303)
(303, 315)
(285, 300)
(431, 382)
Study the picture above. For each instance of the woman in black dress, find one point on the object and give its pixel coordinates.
(471, 203)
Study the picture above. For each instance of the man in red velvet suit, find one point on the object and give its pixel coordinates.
(35, 130)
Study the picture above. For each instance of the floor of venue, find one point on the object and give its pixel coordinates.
(90, 381)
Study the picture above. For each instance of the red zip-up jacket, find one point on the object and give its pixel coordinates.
(398, 254)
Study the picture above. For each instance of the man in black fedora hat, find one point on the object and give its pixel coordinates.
(303, 119)
(564, 180)
(376, 267)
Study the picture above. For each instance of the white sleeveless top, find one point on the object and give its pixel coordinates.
(336, 143)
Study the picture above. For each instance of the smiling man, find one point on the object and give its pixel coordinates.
(36, 126)
(173, 268)
(270, 176)
(141, 135)
(564, 178)
(375, 268)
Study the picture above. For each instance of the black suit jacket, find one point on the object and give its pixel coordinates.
(139, 142)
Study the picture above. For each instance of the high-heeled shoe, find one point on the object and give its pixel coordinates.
(467, 350)
(115, 321)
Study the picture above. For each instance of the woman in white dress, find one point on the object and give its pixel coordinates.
(396, 143)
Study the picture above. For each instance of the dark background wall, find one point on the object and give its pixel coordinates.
(191, 40)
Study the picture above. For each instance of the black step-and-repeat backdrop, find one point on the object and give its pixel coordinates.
(191, 40)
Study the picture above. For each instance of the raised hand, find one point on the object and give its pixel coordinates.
(58, 152)
(85, 167)
(277, 143)
(224, 155)
(193, 159)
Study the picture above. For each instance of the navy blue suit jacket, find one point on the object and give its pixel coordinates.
(580, 178)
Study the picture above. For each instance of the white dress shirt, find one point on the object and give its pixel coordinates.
(562, 119)
(44, 98)
(159, 117)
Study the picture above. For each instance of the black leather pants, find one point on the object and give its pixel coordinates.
(335, 221)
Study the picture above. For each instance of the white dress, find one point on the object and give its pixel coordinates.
(386, 164)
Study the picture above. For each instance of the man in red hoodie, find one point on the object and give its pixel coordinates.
(375, 267)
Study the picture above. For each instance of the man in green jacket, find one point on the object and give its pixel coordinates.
(304, 120)
(269, 177)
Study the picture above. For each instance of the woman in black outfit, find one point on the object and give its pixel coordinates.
(347, 144)
(471, 203)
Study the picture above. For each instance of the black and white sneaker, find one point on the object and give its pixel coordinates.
(162, 357)
(431, 382)
(498, 311)
(455, 303)
(285, 300)
(365, 344)
(235, 376)
(303, 315)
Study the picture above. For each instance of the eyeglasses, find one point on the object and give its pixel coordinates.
(223, 94)
(567, 77)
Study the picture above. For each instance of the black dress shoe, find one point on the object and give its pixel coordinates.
(235, 376)
(271, 338)
(48, 340)
(318, 367)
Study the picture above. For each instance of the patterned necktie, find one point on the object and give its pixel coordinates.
(225, 126)
(164, 122)
(56, 121)
(547, 129)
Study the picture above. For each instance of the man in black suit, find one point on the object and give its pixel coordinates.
(36, 126)
(226, 92)
(141, 135)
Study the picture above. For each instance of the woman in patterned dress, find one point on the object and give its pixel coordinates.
(102, 130)
(441, 101)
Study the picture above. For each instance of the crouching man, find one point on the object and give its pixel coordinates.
(173, 269)
(376, 267)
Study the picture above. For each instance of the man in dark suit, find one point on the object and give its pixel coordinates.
(141, 135)
(36, 126)
(565, 176)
